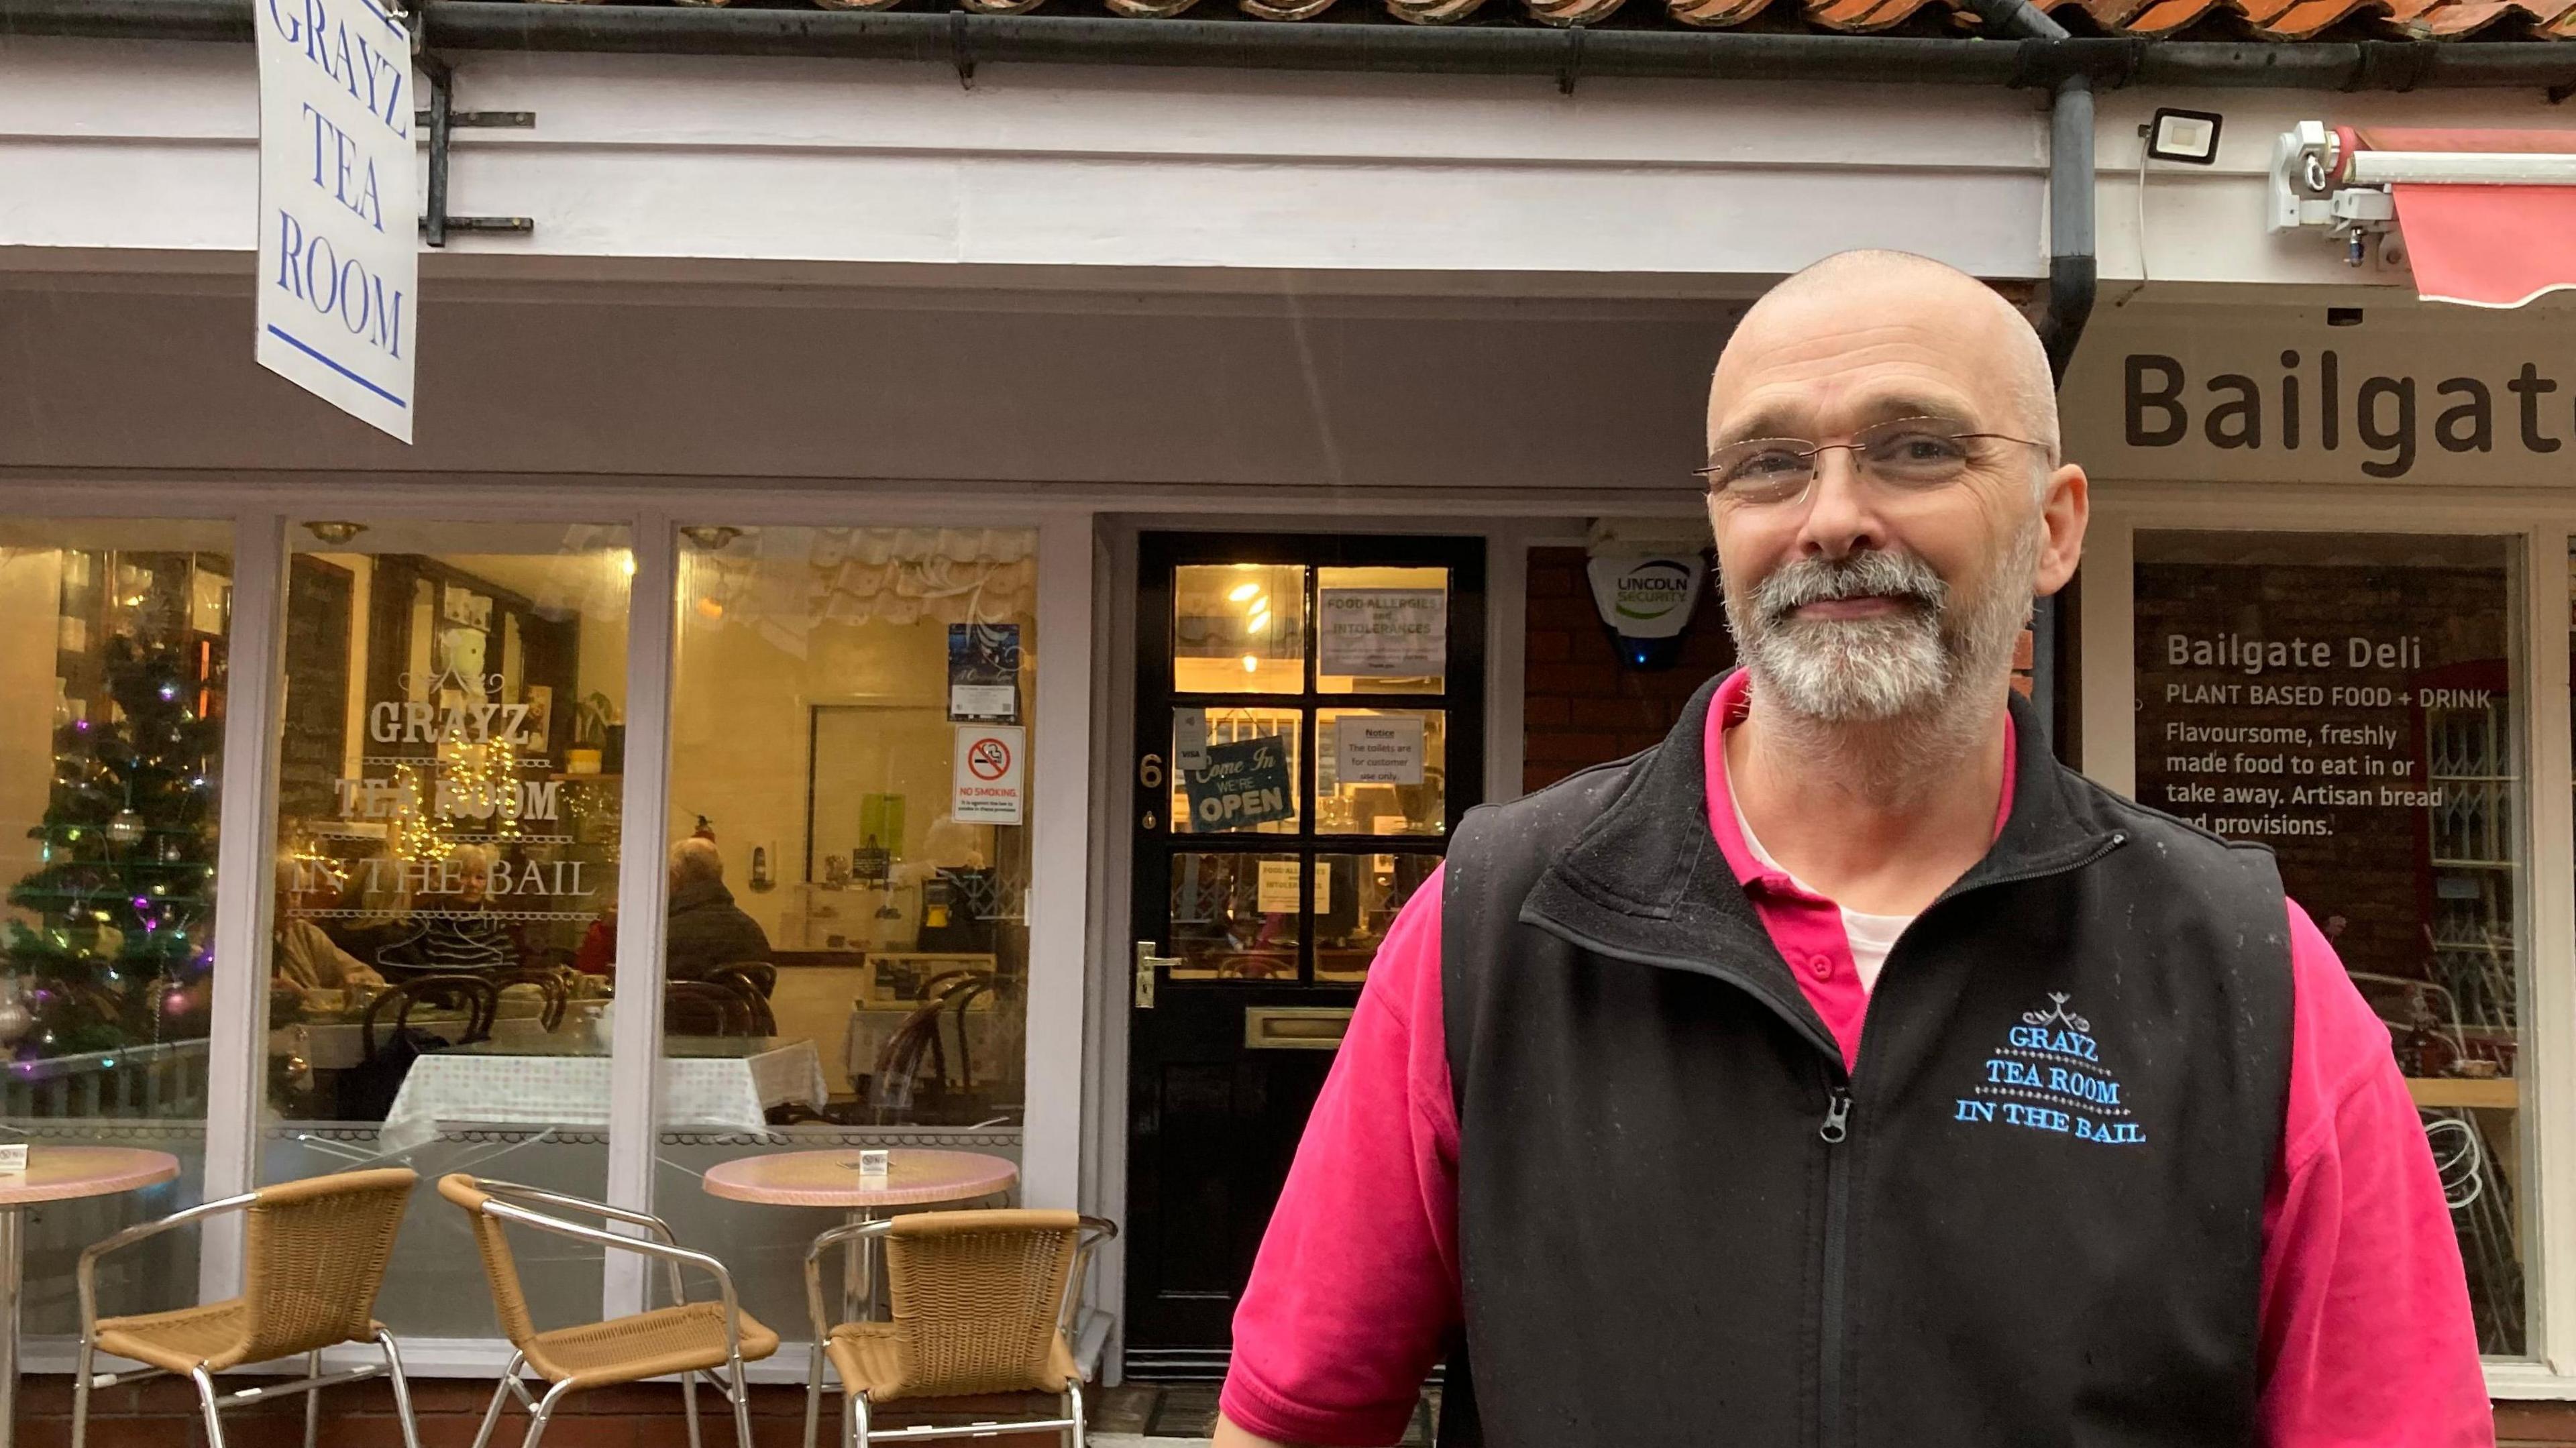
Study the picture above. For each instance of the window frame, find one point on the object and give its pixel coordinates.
(2543, 529)
(1061, 780)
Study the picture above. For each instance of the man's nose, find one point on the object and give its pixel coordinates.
(1841, 519)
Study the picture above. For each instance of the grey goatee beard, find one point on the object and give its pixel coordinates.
(1915, 663)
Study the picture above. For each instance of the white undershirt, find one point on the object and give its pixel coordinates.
(1871, 936)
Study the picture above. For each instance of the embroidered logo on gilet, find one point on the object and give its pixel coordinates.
(2048, 1076)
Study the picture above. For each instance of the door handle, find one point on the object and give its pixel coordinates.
(1295, 1028)
(1147, 964)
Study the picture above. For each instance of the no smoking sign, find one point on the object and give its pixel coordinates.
(989, 776)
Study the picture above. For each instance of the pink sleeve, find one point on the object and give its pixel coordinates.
(2366, 1331)
(1356, 1287)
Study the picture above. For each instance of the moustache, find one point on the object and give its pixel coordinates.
(1874, 574)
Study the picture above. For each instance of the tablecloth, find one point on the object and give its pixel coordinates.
(730, 1092)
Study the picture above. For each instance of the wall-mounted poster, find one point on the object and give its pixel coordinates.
(984, 671)
(1382, 632)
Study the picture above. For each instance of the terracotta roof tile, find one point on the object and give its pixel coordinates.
(2265, 20)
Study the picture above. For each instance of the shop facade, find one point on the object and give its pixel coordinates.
(1068, 551)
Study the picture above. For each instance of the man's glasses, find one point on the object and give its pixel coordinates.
(1909, 454)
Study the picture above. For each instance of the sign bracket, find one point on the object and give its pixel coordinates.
(440, 120)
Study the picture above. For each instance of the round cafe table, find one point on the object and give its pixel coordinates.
(913, 1178)
(56, 1174)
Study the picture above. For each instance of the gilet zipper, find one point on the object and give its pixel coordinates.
(1834, 1131)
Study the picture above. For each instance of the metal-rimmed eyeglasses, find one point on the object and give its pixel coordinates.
(1906, 454)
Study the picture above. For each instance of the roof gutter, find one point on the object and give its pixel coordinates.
(965, 40)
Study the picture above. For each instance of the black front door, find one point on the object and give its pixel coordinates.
(1309, 728)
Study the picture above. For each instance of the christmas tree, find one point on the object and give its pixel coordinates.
(123, 949)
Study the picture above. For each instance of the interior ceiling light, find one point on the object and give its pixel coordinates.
(335, 534)
(1243, 591)
(1251, 665)
(710, 536)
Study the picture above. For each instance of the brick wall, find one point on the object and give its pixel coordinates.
(1579, 705)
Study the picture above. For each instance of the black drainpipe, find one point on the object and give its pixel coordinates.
(2072, 271)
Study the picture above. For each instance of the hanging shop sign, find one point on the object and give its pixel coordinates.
(1377, 749)
(984, 671)
(1382, 632)
(1244, 784)
(2307, 395)
(1647, 600)
(991, 774)
(339, 220)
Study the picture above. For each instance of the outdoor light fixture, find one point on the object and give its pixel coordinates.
(2187, 136)
(335, 534)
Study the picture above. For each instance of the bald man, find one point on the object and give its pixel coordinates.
(1844, 1071)
(708, 930)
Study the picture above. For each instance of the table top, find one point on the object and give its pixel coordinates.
(60, 1173)
(582, 1043)
(913, 1178)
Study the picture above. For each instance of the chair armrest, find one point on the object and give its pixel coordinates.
(671, 1253)
(515, 1192)
(1093, 1232)
(86, 1274)
(847, 1232)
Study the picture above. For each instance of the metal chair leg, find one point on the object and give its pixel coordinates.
(689, 1396)
(80, 1395)
(544, 1410)
(813, 1395)
(856, 1418)
(1073, 1408)
(206, 1399)
(739, 1390)
(313, 1400)
(500, 1395)
(402, 1389)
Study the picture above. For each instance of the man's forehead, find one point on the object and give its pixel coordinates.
(1835, 354)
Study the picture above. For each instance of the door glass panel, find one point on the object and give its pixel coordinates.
(111, 757)
(1235, 916)
(1356, 897)
(1239, 628)
(1380, 771)
(1381, 630)
(2352, 701)
(448, 807)
(1235, 771)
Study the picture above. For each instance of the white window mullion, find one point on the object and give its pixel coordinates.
(2549, 1042)
(643, 890)
(237, 1045)
(1059, 865)
(2108, 657)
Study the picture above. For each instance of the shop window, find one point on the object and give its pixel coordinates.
(448, 807)
(111, 758)
(849, 862)
(2353, 701)
(1239, 628)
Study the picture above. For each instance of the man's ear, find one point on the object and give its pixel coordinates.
(2065, 506)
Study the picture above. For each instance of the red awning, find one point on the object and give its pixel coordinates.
(2481, 245)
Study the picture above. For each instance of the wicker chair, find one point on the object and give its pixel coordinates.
(688, 1338)
(984, 1302)
(313, 1253)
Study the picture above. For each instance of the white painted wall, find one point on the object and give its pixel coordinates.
(2205, 224)
(150, 146)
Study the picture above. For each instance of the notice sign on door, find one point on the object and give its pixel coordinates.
(1245, 784)
(1278, 888)
(1382, 632)
(990, 773)
(339, 216)
(1378, 749)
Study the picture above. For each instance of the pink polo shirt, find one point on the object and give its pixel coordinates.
(2366, 1335)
